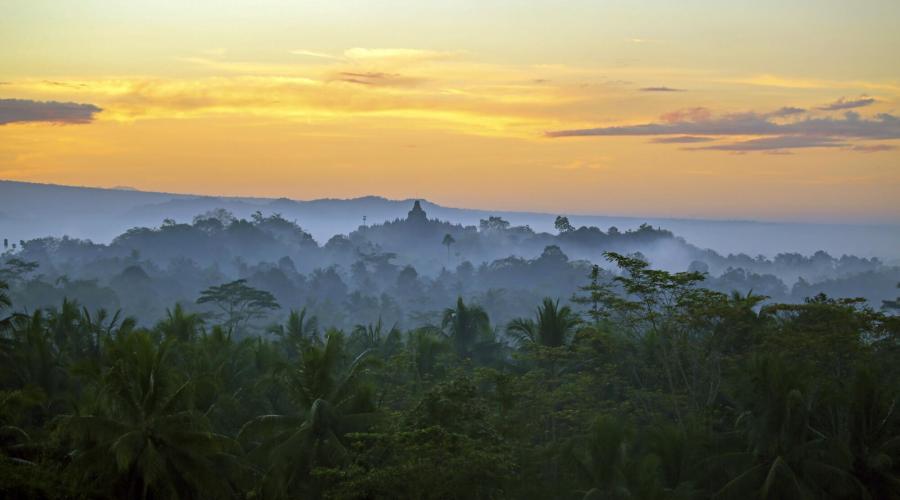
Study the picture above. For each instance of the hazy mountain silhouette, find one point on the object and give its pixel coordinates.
(29, 210)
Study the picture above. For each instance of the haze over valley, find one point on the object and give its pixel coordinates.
(449, 250)
(29, 210)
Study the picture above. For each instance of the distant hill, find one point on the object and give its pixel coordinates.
(30, 210)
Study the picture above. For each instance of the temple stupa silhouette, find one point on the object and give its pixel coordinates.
(417, 215)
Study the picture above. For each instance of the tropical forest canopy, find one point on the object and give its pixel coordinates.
(422, 359)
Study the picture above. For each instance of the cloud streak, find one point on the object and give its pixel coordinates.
(777, 143)
(681, 139)
(843, 103)
(697, 124)
(696, 121)
(873, 148)
(24, 110)
(376, 79)
(660, 89)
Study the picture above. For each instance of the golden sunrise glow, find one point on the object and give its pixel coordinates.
(772, 112)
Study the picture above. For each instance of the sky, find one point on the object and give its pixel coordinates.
(769, 110)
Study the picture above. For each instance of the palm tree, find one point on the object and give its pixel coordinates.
(374, 338)
(140, 438)
(331, 402)
(447, 241)
(786, 455)
(611, 463)
(14, 439)
(31, 359)
(180, 325)
(6, 324)
(298, 333)
(426, 345)
(551, 328)
(871, 433)
(464, 325)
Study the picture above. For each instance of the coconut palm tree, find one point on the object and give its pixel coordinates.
(425, 346)
(447, 242)
(6, 324)
(464, 325)
(374, 338)
(612, 464)
(331, 402)
(30, 359)
(180, 325)
(297, 333)
(870, 432)
(551, 327)
(787, 456)
(139, 437)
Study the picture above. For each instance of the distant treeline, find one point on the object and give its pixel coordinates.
(659, 389)
(402, 272)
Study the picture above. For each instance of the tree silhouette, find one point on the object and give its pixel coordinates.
(179, 324)
(239, 302)
(297, 333)
(332, 402)
(562, 224)
(447, 241)
(464, 325)
(141, 439)
(551, 327)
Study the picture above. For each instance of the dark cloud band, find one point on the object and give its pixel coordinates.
(882, 126)
(681, 139)
(24, 110)
(844, 103)
(699, 125)
(660, 89)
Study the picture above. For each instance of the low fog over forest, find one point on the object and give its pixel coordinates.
(236, 355)
(29, 210)
(402, 272)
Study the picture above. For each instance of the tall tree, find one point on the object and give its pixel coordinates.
(447, 242)
(552, 326)
(464, 325)
(180, 325)
(331, 400)
(140, 437)
(297, 333)
(6, 323)
(239, 302)
(562, 224)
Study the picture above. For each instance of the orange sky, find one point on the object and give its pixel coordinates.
(750, 110)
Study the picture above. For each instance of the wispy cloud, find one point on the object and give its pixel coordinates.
(873, 148)
(681, 139)
(698, 114)
(487, 109)
(319, 55)
(777, 143)
(24, 110)
(377, 78)
(844, 103)
(699, 121)
(416, 55)
(789, 82)
(786, 111)
(694, 124)
(366, 55)
(660, 89)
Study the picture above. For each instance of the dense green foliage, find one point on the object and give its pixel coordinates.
(660, 389)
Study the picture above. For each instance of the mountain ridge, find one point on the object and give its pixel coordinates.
(43, 209)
